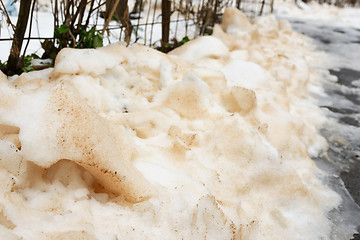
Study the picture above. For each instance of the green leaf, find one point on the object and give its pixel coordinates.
(82, 36)
(60, 31)
(98, 40)
(34, 56)
(63, 29)
(89, 36)
(27, 60)
(184, 40)
(27, 69)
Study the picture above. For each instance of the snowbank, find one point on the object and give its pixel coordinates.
(208, 142)
(330, 14)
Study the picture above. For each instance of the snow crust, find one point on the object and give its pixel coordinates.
(211, 141)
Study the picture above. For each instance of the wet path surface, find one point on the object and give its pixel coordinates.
(342, 105)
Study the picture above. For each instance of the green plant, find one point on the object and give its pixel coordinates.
(27, 62)
(89, 39)
(78, 38)
(183, 41)
(167, 47)
(24, 65)
(60, 34)
(2, 66)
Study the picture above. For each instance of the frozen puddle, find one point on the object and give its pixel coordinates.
(342, 105)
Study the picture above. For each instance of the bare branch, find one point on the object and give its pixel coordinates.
(110, 16)
(31, 20)
(21, 25)
(8, 20)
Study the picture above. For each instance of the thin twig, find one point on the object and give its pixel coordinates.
(7, 16)
(81, 10)
(152, 23)
(73, 38)
(21, 24)
(53, 10)
(30, 27)
(90, 11)
(147, 20)
(67, 11)
(110, 16)
(98, 7)
(72, 20)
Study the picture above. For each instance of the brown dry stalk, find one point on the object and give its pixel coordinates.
(110, 16)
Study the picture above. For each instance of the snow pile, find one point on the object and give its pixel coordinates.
(329, 14)
(208, 142)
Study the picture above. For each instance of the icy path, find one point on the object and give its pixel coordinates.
(343, 106)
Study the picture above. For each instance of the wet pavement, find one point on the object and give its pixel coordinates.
(342, 106)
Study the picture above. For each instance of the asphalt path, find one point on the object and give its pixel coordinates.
(342, 106)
